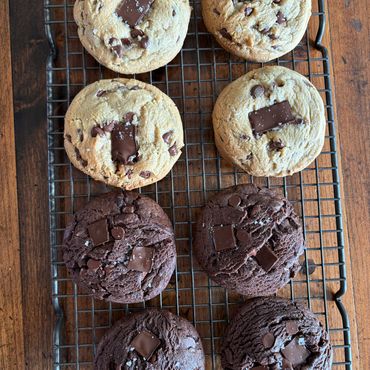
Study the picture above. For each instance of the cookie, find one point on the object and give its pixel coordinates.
(249, 240)
(132, 36)
(270, 122)
(123, 132)
(259, 30)
(120, 247)
(150, 340)
(274, 333)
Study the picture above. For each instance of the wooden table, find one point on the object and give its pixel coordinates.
(25, 306)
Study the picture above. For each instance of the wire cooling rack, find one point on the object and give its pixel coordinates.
(193, 80)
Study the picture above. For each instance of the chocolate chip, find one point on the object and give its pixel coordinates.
(272, 36)
(145, 343)
(80, 134)
(93, 265)
(223, 237)
(133, 11)
(257, 91)
(226, 34)
(173, 12)
(101, 93)
(141, 259)
(296, 353)
(265, 30)
(266, 258)
(69, 137)
(145, 174)
(167, 137)
(216, 11)
(291, 327)
(311, 267)
(268, 340)
(245, 137)
(234, 201)
(269, 118)
(112, 41)
(124, 149)
(298, 121)
(249, 157)
(248, 11)
(276, 145)
(79, 158)
(144, 42)
(126, 42)
(118, 49)
(118, 233)
(280, 19)
(135, 33)
(97, 130)
(98, 232)
(173, 150)
(276, 1)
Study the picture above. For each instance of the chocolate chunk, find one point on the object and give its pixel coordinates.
(226, 34)
(109, 126)
(145, 174)
(216, 11)
(266, 258)
(118, 233)
(126, 42)
(249, 157)
(311, 267)
(257, 90)
(244, 237)
(234, 201)
(276, 1)
(248, 11)
(223, 237)
(133, 11)
(135, 33)
(269, 118)
(268, 340)
(145, 343)
(295, 353)
(79, 158)
(101, 93)
(124, 148)
(118, 49)
(291, 327)
(167, 137)
(286, 365)
(98, 232)
(69, 137)
(245, 137)
(93, 265)
(173, 150)
(141, 259)
(276, 145)
(144, 42)
(280, 19)
(173, 12)
(97, 130)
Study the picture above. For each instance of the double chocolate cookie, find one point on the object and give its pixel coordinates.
(123, 132)
(270, 122)
(276, 334)
(150, 340)
(132, 36)
(120, 248)
(258, 30)
(249, 240)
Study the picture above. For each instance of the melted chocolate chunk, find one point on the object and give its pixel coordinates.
(224, 238)
(266, 258)
(141, 259)
(248, 11)
(123, 137)
(145, 343)
(295, 353)
(126, 42)
(98, 232)
(144, 42)
(224, 33)
(257, 90)
(167, 137)
(269, 118)
(135, 33)
(268, 340)
(133, 11)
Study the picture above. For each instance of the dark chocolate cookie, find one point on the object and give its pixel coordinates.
(150, 340)
(121, 248)
(275, 334)
(249, 240)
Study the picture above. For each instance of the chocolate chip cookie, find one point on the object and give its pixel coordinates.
(270, 122)
(274, 333)
(150, 340)
(132, 36)
(123, 132)
(120, 248)
(249, 240)
(258, 30)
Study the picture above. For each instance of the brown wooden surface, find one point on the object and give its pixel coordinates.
(25, 305)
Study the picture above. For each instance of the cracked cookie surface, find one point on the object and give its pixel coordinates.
(123, 132)
(249, 240)
(120, 247)
(270, 122)
(150, 340)
(274, 334)
(257, 30)
(132, 36)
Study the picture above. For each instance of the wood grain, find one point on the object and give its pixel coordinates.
(350, 56)
(11, 327)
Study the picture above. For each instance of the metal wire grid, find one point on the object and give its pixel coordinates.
(193, 80)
